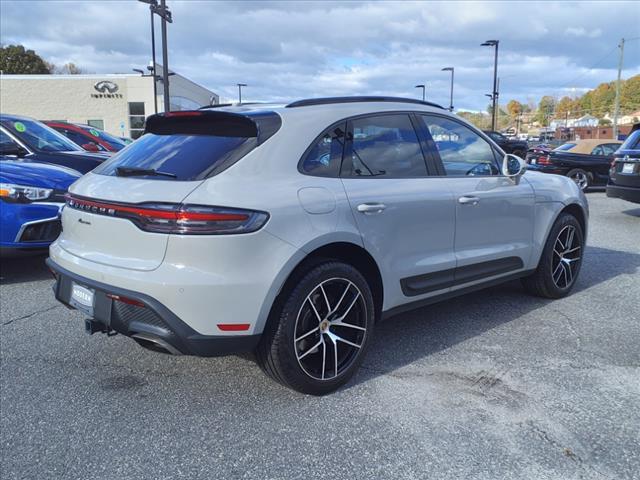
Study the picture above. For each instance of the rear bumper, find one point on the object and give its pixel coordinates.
(631, 194)
(149, 322)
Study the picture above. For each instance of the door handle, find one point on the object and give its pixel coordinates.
(467, 200)
(369, 208)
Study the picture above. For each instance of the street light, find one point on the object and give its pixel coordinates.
(494, 98)
(450, 69)
(423, 87)
(240, 85)
(163, 12)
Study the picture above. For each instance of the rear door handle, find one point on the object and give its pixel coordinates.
(370, 208)
(467, 200)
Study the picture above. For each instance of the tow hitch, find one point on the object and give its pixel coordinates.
(92, 326)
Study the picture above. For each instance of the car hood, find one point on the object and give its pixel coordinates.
(37, 174)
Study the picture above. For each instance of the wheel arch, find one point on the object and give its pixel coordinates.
(343, 251)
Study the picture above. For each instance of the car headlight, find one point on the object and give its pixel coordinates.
(23, 194)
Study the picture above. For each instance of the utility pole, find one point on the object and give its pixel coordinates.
(616, 110)
(450, 69)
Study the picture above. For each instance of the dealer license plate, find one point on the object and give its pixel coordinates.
(82, 299)
(628, 167)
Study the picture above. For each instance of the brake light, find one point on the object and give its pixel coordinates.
(544, 160)
(176, 218)
(183, 113)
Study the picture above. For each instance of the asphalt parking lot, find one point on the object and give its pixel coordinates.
(493, 385)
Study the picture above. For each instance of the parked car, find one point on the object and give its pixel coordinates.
(624, 176)
(514, 146)
(586, 162)
(31, 140)
(291, 230)
(89, 138)
(31, 196)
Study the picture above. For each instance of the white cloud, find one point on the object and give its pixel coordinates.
(287, 50)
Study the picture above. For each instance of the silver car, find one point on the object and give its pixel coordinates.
(290, 230)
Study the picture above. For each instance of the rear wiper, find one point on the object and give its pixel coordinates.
(133, 172)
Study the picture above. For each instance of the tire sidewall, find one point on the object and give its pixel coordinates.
(571, 173)
(293, 373)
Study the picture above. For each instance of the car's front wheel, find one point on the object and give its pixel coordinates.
(320, 329)
(561, 260)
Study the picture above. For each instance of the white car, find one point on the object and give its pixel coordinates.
(290, 230)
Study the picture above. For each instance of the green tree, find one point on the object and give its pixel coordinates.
(15, 59)
(630, 94)
(545, 110)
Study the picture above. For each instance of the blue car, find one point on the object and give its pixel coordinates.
(31, 197)
(31, 140)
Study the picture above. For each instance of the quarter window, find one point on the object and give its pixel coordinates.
(462, 151)
(324, 158)
(384, 146)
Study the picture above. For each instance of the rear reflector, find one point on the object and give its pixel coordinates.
(176, 218)
(234, 327)
(128, 301)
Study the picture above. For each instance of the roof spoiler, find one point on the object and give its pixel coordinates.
(200, 122)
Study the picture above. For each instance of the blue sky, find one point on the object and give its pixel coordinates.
(288, 50)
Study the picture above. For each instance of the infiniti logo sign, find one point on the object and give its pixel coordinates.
(105, 86)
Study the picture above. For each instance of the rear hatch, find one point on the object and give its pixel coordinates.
(625, 169)
(123, 212)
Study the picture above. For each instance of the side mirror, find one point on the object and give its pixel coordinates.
(513, 167)
(12, 149)
(91, 147)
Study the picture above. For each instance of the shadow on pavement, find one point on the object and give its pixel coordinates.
(23, 269)
(407, 338)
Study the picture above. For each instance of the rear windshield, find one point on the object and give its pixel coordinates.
(192, 145)
(632, 142)
(188, 157)
(566, 146)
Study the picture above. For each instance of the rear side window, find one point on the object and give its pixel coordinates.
(462, 151)
(384, 146)
(192, 145)
(323, 158)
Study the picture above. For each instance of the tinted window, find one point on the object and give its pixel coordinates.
(565, 147)
(5, 140)
(38, 136)
(463, 151)
(189, 157)
(632, 142)
(325, 155)
(114, 142)
(385, 145)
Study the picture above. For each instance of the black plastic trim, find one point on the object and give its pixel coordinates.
(452, 294)
(180, 336)
(431, 282)
(358, 99)
(631, 194)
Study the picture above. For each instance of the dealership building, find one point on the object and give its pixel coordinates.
(117, 103)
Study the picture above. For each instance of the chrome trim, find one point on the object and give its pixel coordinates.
(27, 224)
(158, 341)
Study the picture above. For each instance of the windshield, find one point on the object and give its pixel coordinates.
(632, 142)
(115, 142)
(38, 136)
(565, 147)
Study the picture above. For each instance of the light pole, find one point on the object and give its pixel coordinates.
(450, 69)
(240, 85)
(494, 98)
(423, 87)
(163, 12)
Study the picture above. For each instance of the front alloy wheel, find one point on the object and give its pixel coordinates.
(320, 328)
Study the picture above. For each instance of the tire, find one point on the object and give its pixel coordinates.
(560, 262)
(582, 178)
(298, 347)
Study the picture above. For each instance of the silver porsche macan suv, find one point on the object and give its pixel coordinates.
(291, 230)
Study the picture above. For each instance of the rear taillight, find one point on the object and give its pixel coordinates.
(544, 160)
(176, 218)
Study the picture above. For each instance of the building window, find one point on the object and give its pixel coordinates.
(136, 119)
(96, 124)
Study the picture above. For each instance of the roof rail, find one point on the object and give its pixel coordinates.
(358, 99)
